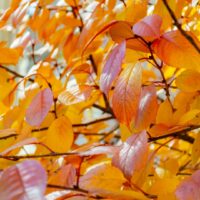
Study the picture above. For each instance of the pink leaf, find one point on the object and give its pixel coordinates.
(132, 155)
(112, 67)
(189, 189)
(148, 27)
(39, 107)
(24, 181)
(148, 107)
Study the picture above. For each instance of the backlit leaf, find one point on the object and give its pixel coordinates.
(147, 110)
(133, 154)
(39, 107)
(127, 93)
(75, 94)
(176, 51)
(60, 136)
(26, 180)
(188, 81)
(189, 189)
(148, 27)
(112, 67)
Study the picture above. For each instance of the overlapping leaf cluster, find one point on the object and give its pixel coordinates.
(106, 104)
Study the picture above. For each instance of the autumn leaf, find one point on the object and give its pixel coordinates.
(176, 51)
(75, 94)
(60, 132)
(26, 180)
(10, 56)
(39, 107)
(148, 27)
(112, 67)
(188, 81)
(132, 155)
(189, 188)
(147, 109)
(127, 93)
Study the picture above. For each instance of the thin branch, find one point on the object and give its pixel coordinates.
(14, 73)
(8, 136)
(15, 158)
(66, 188)
(93, 122)
(178, 134)
(188, 37)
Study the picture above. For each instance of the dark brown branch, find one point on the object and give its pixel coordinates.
(66, 188)
(93, 122)
(178, 134)
(188, 37)
(15, 158)
(94, 66)
(14, 73)
(8, 136)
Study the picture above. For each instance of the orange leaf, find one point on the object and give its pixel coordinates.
(148, 27)
(39, 107)
(175, 50)
(148, 107)
(127, 94)
(188, 81)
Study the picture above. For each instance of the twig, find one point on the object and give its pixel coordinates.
(93, 122)
(66, 188)
(178, 134)
(8, 136)
(14, 73)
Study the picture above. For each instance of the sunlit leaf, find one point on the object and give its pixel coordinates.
(39, 107)
(132, 155)
(112, 67)
(26, 180)
(188, 81)
(147, 110)
(189, 188)
(175, 50)
(75, 94)
(127, 93)
(60, 136)
(148, 27)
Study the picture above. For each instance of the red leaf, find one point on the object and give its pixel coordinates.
(189, 189)
(148, 27)
(132, 155)
(39, 107)
(127, 94)
(26, 180)
(147, 109)
(112, 67)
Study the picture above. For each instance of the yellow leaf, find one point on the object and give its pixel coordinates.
(165, 114)
(9, 56)
(188, 81)
(60, 135)
(196, 150)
